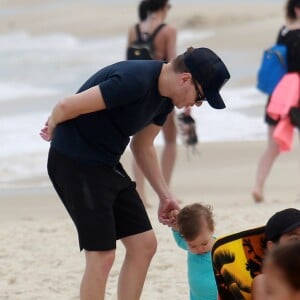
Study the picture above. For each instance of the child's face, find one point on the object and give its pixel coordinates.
(276, 286)
(202, 243)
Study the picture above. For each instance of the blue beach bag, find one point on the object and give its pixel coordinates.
(273, 67)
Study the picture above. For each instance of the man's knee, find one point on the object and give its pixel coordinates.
(149, 247)
(144, 245)
(100, 261)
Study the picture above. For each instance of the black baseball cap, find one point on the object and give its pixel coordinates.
(210, 72)
(282, 222)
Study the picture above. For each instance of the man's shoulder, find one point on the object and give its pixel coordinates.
(129, 64)
(135, 74)
(130, 67)
(138, 67)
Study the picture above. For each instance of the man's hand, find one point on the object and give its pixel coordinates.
(166, 206)
(173, 219)
(46, 132)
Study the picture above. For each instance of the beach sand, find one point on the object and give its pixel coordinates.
(39, 255)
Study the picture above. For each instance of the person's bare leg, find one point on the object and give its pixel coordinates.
(98, 265)
(168, 157)
(140, 182)
(265, 165)
(140, 249)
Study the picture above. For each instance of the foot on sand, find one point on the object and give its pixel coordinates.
(258, 198)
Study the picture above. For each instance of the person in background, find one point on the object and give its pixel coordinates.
(90, 130)
(282, 270)
(289, 35)
(152, 14)
(193, 229)
(282, 228)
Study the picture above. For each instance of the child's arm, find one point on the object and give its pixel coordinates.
(180, 241)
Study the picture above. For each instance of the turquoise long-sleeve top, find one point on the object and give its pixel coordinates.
(200, 272)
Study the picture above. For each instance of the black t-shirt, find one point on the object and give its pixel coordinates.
(291, 38)
(130, 92)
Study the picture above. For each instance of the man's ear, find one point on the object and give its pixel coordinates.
(186, 76)
(270, 245)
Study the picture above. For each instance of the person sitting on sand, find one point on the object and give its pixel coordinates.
(282, 228)
(193, 229)
(282, 272)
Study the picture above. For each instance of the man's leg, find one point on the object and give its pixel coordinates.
(265, 165)
(98, 265)
(140, 249)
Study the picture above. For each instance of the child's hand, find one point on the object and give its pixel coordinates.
(173, 218)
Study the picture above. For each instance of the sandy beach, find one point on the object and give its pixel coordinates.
(39, 255)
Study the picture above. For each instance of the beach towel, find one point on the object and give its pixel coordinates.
(237, 259)
(285, 95)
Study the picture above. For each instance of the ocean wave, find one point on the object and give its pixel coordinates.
(17, 90)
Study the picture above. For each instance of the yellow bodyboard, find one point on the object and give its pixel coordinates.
(237, 259)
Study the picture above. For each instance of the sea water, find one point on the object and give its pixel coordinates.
(37, 71)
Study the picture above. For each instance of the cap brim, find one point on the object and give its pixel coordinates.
(292, 227)
(214, 99)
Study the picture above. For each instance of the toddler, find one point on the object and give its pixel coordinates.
(193, 229)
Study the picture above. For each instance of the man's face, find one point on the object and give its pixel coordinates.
(291, 236)
(188, 92)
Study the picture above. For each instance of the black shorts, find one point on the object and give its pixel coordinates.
(102, 201)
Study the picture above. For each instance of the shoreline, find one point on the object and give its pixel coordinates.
(222, 172)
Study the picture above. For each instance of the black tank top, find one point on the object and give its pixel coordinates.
(291, 38)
